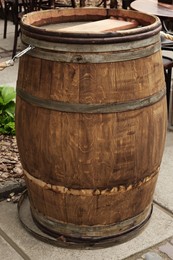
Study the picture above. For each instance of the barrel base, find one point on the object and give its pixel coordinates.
(40, 231)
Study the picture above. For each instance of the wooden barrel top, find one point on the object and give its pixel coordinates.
(93, 25)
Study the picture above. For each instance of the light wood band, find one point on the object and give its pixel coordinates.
(88, 192)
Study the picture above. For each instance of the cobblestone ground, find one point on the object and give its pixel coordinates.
(162, 251)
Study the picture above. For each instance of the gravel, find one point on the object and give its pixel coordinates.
(11, 174)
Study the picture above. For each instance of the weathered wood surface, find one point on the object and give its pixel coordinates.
(37, 22)
(91, 210)
(90, 151)
(105, 25)
(91, 169)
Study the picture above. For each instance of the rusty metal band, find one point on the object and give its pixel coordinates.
(107, 57)
(60, 240)
(102, 40)
(88, 232)
(80, 39)
(90, 108)
(89, 192)
(90, 48)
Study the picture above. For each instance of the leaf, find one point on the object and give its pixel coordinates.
(10, 125)
(8, 94)
(10, 109)
(7, 110)
(1, 101)
(2, 130)
(10, 128)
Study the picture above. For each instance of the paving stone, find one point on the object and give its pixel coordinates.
(9, 75)
(10, 28)
(152, 256)
(164, 192)
(7, 252)
(167, 249)
(159, 229)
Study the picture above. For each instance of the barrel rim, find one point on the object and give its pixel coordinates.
(30, 224)
(95, 232)
(30, 28)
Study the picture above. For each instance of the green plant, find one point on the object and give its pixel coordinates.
(7, 110)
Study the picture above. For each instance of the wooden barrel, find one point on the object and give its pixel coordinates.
(91, 122)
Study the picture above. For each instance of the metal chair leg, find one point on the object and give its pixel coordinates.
(16, 31)
(73, 3)
(113, 4)
(6, 12)
(16, 34)
(168, 74)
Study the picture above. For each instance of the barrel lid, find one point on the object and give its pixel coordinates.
(89, 25)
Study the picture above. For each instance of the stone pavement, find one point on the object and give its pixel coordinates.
(154, 243)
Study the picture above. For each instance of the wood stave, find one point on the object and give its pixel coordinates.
(152, 126)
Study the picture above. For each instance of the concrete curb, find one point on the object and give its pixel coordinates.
(10, 186)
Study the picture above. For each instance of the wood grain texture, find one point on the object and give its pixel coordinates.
(100, 26)
(39, 19)
(91, 210)
(93, 83)
(91, 151)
